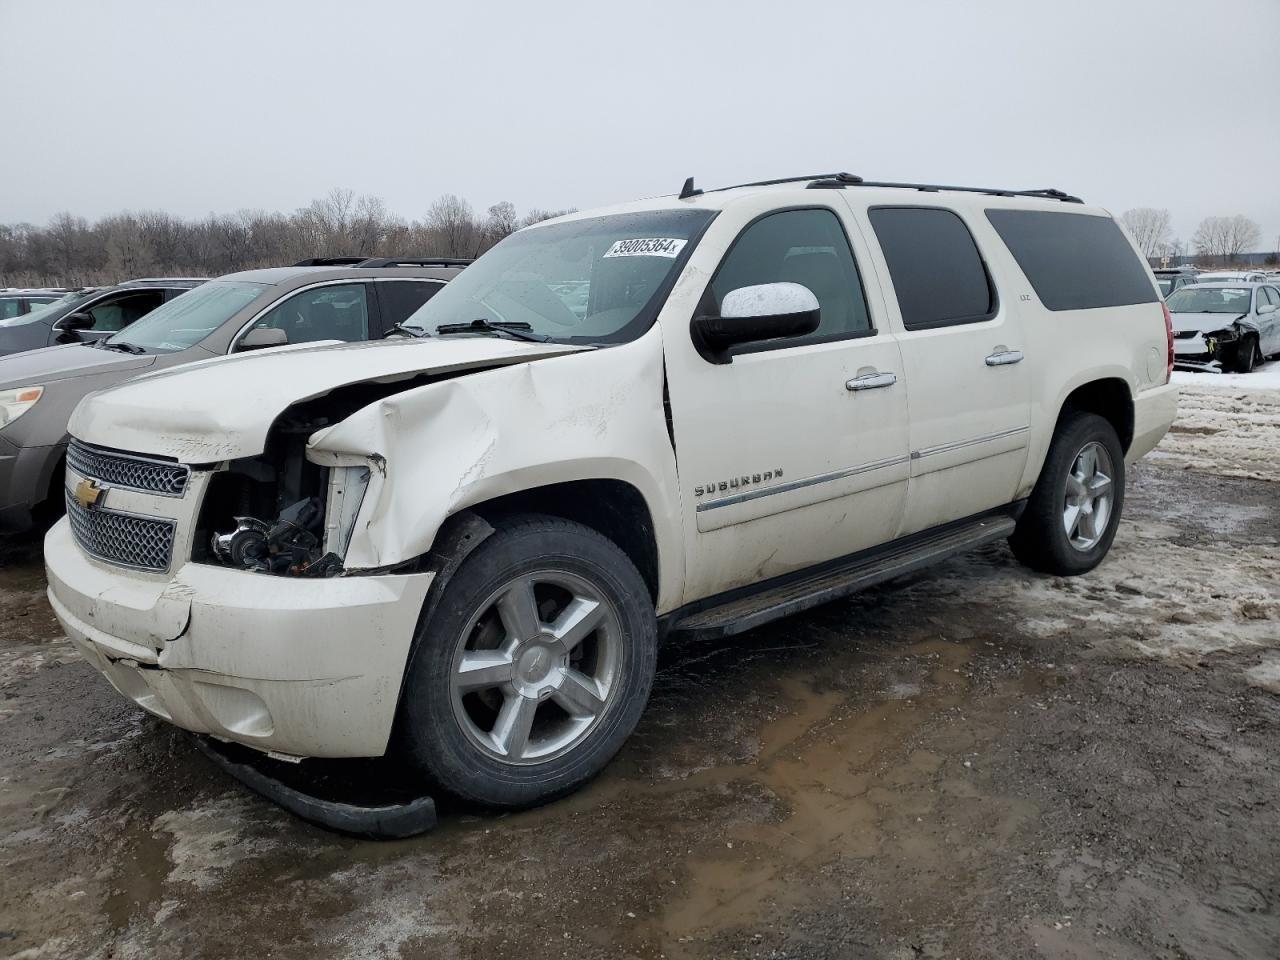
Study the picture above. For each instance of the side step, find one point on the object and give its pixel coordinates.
(792, 594)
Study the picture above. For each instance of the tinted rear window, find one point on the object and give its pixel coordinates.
(938, 274)
(1074, 261)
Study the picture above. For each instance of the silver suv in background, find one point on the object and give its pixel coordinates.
(241, 311)
(15, 302)
(90, 313)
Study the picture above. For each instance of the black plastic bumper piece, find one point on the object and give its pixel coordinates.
(396, 819)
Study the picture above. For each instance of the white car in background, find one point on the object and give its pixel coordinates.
(1234, 324)
(1234, 276)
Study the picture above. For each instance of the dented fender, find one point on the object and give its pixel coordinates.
(445, 446)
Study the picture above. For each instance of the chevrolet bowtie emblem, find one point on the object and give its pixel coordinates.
(88, 494)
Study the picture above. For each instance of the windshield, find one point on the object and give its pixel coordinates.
(38, 311)
(188, 319)
(599, 280)
(1210, 300)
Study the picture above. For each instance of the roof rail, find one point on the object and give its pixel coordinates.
(330, 262)
(413, 262)
(838, 181)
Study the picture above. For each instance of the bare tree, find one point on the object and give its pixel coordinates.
(1210, 236)
(537, 215)
(500, 223)
(70, 250)
(1242, 234)
(1226, 237)
(1149, 228)
(453, 224)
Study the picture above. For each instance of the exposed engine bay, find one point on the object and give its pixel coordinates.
(292, 545)
(279, 513)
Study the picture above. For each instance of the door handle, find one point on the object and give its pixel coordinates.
(871, 381)
(1002, 358)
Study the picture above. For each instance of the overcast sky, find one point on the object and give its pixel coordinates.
(225, 104)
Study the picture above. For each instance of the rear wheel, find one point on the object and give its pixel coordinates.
(534, 668)
(1073, 512)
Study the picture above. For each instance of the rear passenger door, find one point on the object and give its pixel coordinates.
(399, 299)
(962, 348)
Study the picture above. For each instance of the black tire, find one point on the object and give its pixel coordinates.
(1247, 356)
(430, 733)
(1041, 540)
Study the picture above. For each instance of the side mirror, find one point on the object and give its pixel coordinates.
(260, 337)
(765, 311)
(75, 321)
(1266, 308)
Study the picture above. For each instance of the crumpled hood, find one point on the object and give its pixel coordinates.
(1203, 321)
(51, 364)
(223, 408)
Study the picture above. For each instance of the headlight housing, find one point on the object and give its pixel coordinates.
(14, 403)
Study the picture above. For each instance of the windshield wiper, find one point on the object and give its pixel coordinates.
(515, 329)
(119, 345)
(411, 331)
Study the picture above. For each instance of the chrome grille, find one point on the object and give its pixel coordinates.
(128, 470)
(144, 543)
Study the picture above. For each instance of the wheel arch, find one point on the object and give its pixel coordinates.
(1109, 398)
(615, 509)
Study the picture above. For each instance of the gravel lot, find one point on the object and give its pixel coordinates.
(975, 762)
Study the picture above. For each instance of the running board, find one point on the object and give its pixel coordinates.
(741, 613)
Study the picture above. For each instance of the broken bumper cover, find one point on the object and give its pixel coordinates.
(307, 668)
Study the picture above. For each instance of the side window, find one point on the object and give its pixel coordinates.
(1273, 296)
(336, 312)
(808, 247)
(10, 308)
(118, 312)
(938, 274)
(400, 298)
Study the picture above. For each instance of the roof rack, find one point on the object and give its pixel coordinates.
(838, 181)
(330, 262)
(413, 262)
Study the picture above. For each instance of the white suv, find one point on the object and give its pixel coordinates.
(695, 413)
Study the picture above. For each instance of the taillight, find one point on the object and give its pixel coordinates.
(1168, 332)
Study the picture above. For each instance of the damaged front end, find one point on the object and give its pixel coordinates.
(279, 512)
(1222, 344)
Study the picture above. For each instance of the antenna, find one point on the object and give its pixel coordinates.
(688, 190)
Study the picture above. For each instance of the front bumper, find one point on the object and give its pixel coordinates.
(25, 476)
(308, 668)
(1154, 411)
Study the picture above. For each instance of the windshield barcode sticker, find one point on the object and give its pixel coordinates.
(651, 247)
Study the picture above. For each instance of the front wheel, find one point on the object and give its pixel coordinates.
(1074, 510)
(534, 668)
(1247, 356)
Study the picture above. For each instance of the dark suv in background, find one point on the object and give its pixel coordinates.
(89, 314)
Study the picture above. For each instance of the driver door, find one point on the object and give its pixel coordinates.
(795, 450)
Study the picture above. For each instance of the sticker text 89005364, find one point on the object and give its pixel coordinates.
(669, 247)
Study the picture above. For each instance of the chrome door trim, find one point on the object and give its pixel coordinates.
(800, 484)
(958, 444)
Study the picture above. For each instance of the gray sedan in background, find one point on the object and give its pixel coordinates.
(241, 311)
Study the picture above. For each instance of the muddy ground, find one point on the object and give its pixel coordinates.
(977, 762)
